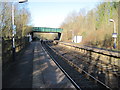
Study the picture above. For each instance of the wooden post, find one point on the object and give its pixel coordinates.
(119, 43)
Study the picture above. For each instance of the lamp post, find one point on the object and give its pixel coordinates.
(114, 35)
(14, 27)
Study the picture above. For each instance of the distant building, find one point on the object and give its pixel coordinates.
(77, 39)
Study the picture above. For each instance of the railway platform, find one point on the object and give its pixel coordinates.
(35, 69)
(46, 74)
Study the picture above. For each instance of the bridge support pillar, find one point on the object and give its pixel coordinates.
(59, 35)
(31, 33)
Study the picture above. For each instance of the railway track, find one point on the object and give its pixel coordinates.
(105, 73)
(78, 76)
(85, 60)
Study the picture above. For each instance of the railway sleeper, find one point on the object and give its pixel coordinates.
(84, 79)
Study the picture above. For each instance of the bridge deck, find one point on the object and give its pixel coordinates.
(45, 29)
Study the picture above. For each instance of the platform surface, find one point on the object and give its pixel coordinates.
(33, 68)
(46, 73)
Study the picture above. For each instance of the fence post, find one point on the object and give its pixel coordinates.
(118, 43)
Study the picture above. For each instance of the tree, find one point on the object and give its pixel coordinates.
(94, 25)
(22, 19)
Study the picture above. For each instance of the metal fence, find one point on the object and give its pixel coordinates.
(7, 50)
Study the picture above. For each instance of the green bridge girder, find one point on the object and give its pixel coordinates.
(47, 30)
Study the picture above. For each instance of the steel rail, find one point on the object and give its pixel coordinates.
(72, 81)
(83, 71)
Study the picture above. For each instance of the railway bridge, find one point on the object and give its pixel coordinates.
(46, 30)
